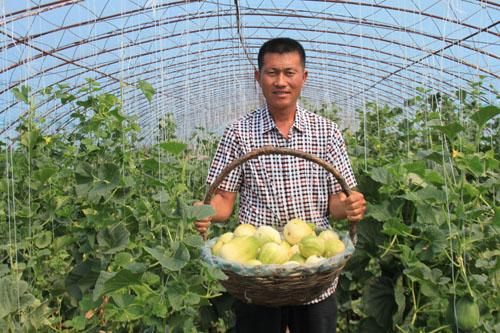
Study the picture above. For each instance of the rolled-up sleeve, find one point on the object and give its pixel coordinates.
(337, 156)
(227, 151)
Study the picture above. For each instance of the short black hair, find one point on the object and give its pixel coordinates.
(281, 45)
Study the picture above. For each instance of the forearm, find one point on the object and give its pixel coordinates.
(222, 202)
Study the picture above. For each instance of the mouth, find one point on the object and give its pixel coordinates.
(281, 93)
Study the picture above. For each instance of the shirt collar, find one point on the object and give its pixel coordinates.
(268, 122)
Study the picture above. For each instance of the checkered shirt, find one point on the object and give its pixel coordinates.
(276, 188)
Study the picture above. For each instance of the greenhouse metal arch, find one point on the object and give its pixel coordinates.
(111, 112)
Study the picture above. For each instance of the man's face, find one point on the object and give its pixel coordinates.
(281, 78)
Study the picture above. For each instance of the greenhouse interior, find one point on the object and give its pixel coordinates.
(113, 114)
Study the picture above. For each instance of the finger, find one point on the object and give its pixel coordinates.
(355, 218)
(342, 197)
(198, 203)
(356, 214)
(202, 224)
(355, 205)
(202, 229)
(355, 197)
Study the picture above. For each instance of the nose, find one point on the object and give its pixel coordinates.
(280, 80)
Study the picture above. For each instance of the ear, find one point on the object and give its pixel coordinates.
(257, 75)
(306, 73)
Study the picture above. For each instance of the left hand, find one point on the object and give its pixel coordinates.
(355, 205)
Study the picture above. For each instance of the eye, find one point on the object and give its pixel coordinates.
(290, 73)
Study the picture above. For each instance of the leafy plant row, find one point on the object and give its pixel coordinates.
(96, 230)
(430, 238)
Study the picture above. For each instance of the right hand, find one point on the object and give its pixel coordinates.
(202, 225)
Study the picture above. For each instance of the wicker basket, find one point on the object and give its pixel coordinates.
(278, 285)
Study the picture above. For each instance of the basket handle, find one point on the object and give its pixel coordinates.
(270, 150)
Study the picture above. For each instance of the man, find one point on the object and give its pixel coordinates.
(274, 189)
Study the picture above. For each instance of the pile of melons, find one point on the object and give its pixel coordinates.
(264, 245)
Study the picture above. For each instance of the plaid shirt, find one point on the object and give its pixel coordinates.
(276, 188)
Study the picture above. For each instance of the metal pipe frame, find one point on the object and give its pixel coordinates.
(395, 75)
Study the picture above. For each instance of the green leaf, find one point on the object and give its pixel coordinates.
(123, 258)
(123, 300)
(66, 98)
(151, 164)
(435, 242)
(434, 177)
(161, 196)
(114, 238)
(38, 316)
(470, 190)
(4, 269)
(63, 242)
(109, 172)
(173, 147)
(129, 313)
(122, 279)
(429, 289)
(473, 163)
(199, 212)
(160, 309)
(22, 94)
(83, 173)
(215, 272)
(43, 239)
(42, 175)
(417, 270)
(451, 130)
(380, 175)
(370, 325)
(484, 114)
(14, 296)
(192, 298)
(427, 214)
(175, 297)
(428, 193)
(77, 323)
(416, 167)
(100, 189)
(150, 279)
(87, 303)
(193, 240)
(172, 263)
(116, 113)
(436, 157)
(99, 285)
(30, 138)
(110, 282)
(496, 217)
(395, 227)
(380, 212)
(83, 276)
(379, 301)
(147, 89)
(399, 297)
